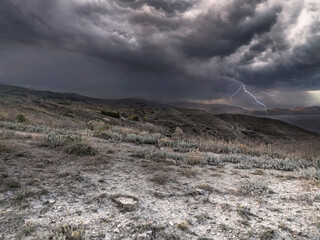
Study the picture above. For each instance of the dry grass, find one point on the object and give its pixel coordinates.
(5, 147)
(184, 226)
(3, 116)
(194, 157)
(160, 178)
(206, 187)
(281, 149)
(69, 232)
(188, 172)
(81, 149)
(9, 183)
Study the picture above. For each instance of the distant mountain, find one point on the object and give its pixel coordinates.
(292, 111)
(211, 108)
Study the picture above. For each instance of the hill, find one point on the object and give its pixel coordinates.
(74, 167)
(71, 107)
(211, 108)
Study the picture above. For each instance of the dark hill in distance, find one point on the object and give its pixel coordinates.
(292, 111)
(70, 107)
(307, 118)
(211, 108)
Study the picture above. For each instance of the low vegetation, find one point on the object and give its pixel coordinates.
(110, 114)
(21, 118)
(53, 140)
(254, 188)
(88, 167)
(81, 148)
(68, 232)
(9, 183)
(5, 147)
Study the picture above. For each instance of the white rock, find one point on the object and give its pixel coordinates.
(145, 236)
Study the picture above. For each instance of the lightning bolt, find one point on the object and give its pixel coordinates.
(243, 86)
(237, 91)
(271, 95)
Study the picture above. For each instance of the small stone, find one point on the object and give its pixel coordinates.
(171, 162)
(171, 223)
(126, 203)
(145, 236)
(296, 231)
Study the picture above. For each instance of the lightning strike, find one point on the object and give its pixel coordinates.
(237, 91)
(243, 86)
(269, 94)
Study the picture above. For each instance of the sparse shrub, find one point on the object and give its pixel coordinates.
(179, 145)
(9, 183)
(254, 187)
(23, 127)
(178, 134)
(188, 172)
(206, 187)
(183, 226)
(69, 232)
(22, 195)
(108, 135)
(212, 160)
(151, 139)
(224, 227)
(310, 173)
(166, 142)
(97, 125)
(21, 118)
(162, 155)
(133, 138)
(186, 146)
(7, 134)
(110, 114)
(149, 227)
(267, 234)
(29, 227)
(160, 178)
(146, 139)
(259, 172)
(52, 140)
(267, 162)
(3, 116)
(194, 157)
(133, 118)
(81, 149)
(4, 147)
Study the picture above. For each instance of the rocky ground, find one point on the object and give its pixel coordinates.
(121, 194)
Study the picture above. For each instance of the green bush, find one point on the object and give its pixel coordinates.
(110, 114)
(133, 118)
(21, 118)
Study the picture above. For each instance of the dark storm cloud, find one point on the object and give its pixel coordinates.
(216, 35)
(167, 6)
(167, 49)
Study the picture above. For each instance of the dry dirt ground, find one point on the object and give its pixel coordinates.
(48, 194)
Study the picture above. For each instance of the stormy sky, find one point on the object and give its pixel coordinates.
(199, 50)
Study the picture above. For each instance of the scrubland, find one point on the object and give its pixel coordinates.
(115, 177)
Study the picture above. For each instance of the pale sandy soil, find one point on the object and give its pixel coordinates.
(57, 188)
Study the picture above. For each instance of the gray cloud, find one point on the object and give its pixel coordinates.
(161, 48)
